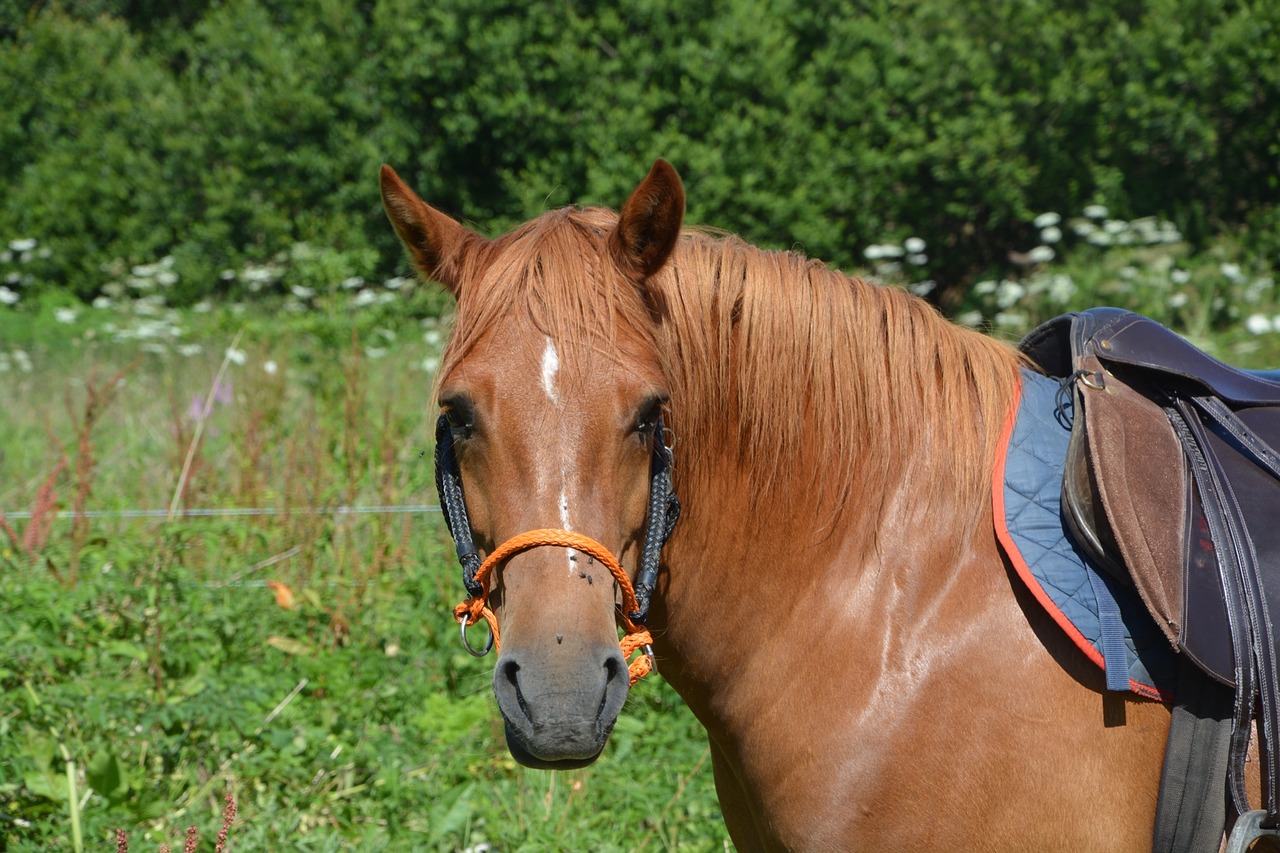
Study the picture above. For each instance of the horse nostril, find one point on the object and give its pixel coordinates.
(509, 671)
(611, 668)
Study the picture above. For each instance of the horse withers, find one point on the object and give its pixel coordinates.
(834, 606)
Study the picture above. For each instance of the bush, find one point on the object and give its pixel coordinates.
(233, 131)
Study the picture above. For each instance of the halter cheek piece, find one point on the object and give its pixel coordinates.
(663, 513)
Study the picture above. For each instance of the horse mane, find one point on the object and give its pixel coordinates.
(835, 387)
(820, 387)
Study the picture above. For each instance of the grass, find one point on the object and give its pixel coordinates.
(304, 661)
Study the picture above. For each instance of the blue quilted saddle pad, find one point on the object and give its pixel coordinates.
(1118, 635)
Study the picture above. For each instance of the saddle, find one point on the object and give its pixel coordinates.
(1173, 486)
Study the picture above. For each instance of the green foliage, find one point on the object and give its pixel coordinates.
(224, 134)
(168, 670)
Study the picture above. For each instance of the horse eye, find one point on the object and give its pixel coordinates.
(460, 417)
(647, 422)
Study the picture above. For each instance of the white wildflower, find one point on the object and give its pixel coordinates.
(396, 282)
(353, 283)
(972, 319)
(188, 350)
(432, 337)
(202, 307)
(1096, 211)
(1179, 276)
(1008, 293)
(1061, 288)
(1041, 255)
(1115, 226)
(271, 367)
(25, 244)
(1047, 220)
(166, 278)
(22, 360)
(375, 352)
(913, 245)
(302, 292)
(918, 259)
(1258, 324)
(430, 363)
(1178, 300)
(102, 302)
(882, 250)
(227, 275)
(983, 288)
(7, 296)
(64, 315)
(364, 297)
(1100, 238)
(236, 356)
(1011, 319)
(1231, 272)
(1052, 234)
(923, 288)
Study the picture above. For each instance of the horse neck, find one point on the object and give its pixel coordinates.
(776, 544)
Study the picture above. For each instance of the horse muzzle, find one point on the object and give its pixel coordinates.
(559, 713)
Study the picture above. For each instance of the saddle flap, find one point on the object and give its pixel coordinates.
(1142, 480)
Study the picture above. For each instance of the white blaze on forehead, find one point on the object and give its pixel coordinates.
(550, 367)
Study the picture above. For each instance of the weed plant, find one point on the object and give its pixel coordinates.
(304, 659)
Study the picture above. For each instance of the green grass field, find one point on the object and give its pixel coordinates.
(146, 665)
(153, 659)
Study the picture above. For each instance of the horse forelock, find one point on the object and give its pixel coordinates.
(553, 277)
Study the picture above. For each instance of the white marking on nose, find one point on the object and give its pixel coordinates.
(550, 367)
(564, 522)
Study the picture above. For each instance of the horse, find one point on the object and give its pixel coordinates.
(834, 606)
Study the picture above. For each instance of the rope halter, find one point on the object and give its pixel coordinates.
(476, 607)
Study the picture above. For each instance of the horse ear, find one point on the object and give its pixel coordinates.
(649, 223)
(436, 242)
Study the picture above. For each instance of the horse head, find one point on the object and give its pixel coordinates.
(552, 389)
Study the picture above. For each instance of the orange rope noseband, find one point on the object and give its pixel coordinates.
(637, 637)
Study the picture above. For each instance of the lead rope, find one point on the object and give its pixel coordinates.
(475, 608)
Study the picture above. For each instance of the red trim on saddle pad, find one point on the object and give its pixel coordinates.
(1020, 563)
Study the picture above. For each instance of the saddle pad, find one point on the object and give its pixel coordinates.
(1027, 495)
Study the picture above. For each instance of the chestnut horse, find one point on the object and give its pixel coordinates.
(834, 605)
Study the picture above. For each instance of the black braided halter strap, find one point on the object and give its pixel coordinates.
(663, 513)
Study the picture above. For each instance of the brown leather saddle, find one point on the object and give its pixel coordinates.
(1173, 485)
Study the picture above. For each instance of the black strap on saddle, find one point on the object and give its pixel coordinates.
(1227, 423)
(663, 513)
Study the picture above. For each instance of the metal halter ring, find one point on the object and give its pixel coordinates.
(466, 645)
(648, 652)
